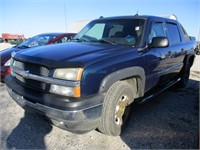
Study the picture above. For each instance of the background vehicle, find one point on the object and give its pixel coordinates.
(91, 83)
(38, 40)
(12, 37)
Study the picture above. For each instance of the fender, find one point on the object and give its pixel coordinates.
(189, 58)
(130, 72)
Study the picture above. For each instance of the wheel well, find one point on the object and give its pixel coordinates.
(135, 76)
(189, 59)
(137, 86)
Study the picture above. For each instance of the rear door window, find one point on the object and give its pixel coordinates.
(186, 37)
(173, 33)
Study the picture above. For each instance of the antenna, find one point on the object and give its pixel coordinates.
(198, 42)
(65, 17)
(137, 13)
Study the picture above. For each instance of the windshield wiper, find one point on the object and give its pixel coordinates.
(79, 40)
(107, 41)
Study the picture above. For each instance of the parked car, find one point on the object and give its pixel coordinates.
(92, 81)
(38, 40)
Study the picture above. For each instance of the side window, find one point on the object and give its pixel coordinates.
(173, 32)
(157, 30)
(64, 39)
(61, 40)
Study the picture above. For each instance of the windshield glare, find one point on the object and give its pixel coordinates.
(126, 32)
(38, 40)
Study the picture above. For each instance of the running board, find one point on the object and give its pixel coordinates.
(149, 97)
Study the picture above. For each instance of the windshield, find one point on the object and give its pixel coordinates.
(114, 31)
(38, 40)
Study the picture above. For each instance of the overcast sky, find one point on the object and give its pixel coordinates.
(31, 17)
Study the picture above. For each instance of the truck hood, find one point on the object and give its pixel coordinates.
(79, 54)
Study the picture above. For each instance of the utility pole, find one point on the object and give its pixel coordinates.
(65, 17)
(199, 39)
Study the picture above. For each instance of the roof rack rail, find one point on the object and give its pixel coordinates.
(172, 16)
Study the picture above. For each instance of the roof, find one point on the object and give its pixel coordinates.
(136, 17)
(55, 33)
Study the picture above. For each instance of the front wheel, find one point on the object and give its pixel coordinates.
(116, 109)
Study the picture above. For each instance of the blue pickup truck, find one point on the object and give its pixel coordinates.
(91, 82)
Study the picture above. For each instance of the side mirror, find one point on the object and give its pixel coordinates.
(159, 42)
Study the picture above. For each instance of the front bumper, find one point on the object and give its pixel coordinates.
(83, 118)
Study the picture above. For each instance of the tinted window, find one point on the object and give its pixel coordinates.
(173, 33)
(157, 30)
(64, 39)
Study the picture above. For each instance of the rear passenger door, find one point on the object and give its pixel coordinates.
(172, 57)
(162, 64)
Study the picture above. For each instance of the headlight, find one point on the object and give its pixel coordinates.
(72, 74)
(68, 74)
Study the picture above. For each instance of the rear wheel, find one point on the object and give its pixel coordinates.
(184, 76)
(116, 109)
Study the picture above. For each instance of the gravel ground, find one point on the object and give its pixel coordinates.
(170, 121)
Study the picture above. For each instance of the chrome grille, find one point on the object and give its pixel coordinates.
(31, 83)
(20, 78)
(32, 68)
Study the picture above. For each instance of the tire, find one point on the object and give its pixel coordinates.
(116, 109)
(184, 76)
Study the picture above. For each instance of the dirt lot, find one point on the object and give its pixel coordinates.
(170, 121)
